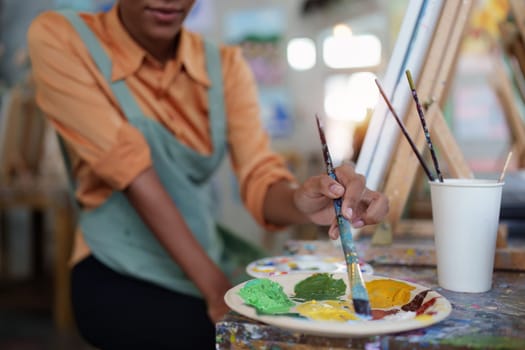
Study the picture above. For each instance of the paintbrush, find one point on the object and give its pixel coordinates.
(424, 124)
(405, 132)
(355, 279)
(502, 176)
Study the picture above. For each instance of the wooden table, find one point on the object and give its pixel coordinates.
(491, 320)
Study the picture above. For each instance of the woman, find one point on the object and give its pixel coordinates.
(147, 110)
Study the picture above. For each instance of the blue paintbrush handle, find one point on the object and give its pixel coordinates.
(355, 278)
(352, 260)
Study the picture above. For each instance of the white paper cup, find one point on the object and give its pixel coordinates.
(465, 215)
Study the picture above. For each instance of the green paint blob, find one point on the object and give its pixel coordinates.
(266, 296)
(320, 286)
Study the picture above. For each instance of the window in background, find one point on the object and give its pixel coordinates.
(301, 53)
(343, 49)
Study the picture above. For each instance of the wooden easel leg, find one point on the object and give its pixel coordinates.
(445, 141)
(501, 240)
(383, 234)
(503, 88)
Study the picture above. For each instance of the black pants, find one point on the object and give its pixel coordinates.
(114, 311)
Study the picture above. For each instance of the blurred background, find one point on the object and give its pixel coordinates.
(308, 57)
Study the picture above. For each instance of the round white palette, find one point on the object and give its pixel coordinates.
(435, 313)
(283, 265)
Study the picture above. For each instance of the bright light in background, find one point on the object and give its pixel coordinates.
(348, 97)
(343, 49)
(301, 53)
(342, 30)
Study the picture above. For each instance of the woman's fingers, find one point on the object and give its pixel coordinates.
(333, 231)
(372, 208)
(360, 205)
(355, 185)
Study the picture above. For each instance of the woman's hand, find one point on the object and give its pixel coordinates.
(217, 308)
(361, 206)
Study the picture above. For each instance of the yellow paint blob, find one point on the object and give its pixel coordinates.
(263, 269)
(424, 318)
(387, 293)
(327, 310)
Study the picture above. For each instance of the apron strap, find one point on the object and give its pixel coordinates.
(123, 95)
(215, 96)
(104, 65)
(90, 40)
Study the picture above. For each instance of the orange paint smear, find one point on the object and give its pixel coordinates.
(387, 293)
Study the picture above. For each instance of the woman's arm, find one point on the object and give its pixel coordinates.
(279, 205)
(159, 213)
(267, 187)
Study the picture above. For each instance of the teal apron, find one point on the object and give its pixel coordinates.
(116, 234)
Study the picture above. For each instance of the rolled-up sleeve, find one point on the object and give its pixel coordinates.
(256, 166)
(77, 102)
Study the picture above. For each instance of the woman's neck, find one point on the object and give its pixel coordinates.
(161, 51)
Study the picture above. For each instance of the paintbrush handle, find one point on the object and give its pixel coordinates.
(405, 132)
(424, 124)
(355, 278)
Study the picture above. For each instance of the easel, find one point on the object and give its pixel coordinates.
(433, 82)
(413, 244)
(513, 37)
(503, 88)
(513, 40)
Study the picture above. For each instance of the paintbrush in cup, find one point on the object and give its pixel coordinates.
(424, 124)
(358, 290)
(405, 132)
(502, 176)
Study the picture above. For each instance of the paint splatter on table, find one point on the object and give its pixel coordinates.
(492, 320)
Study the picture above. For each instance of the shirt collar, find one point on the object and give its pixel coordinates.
(130, 55)
(190, 54)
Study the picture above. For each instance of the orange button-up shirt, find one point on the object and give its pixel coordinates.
(108, 152)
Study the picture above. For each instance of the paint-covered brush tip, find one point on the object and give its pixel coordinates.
(362, 307)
